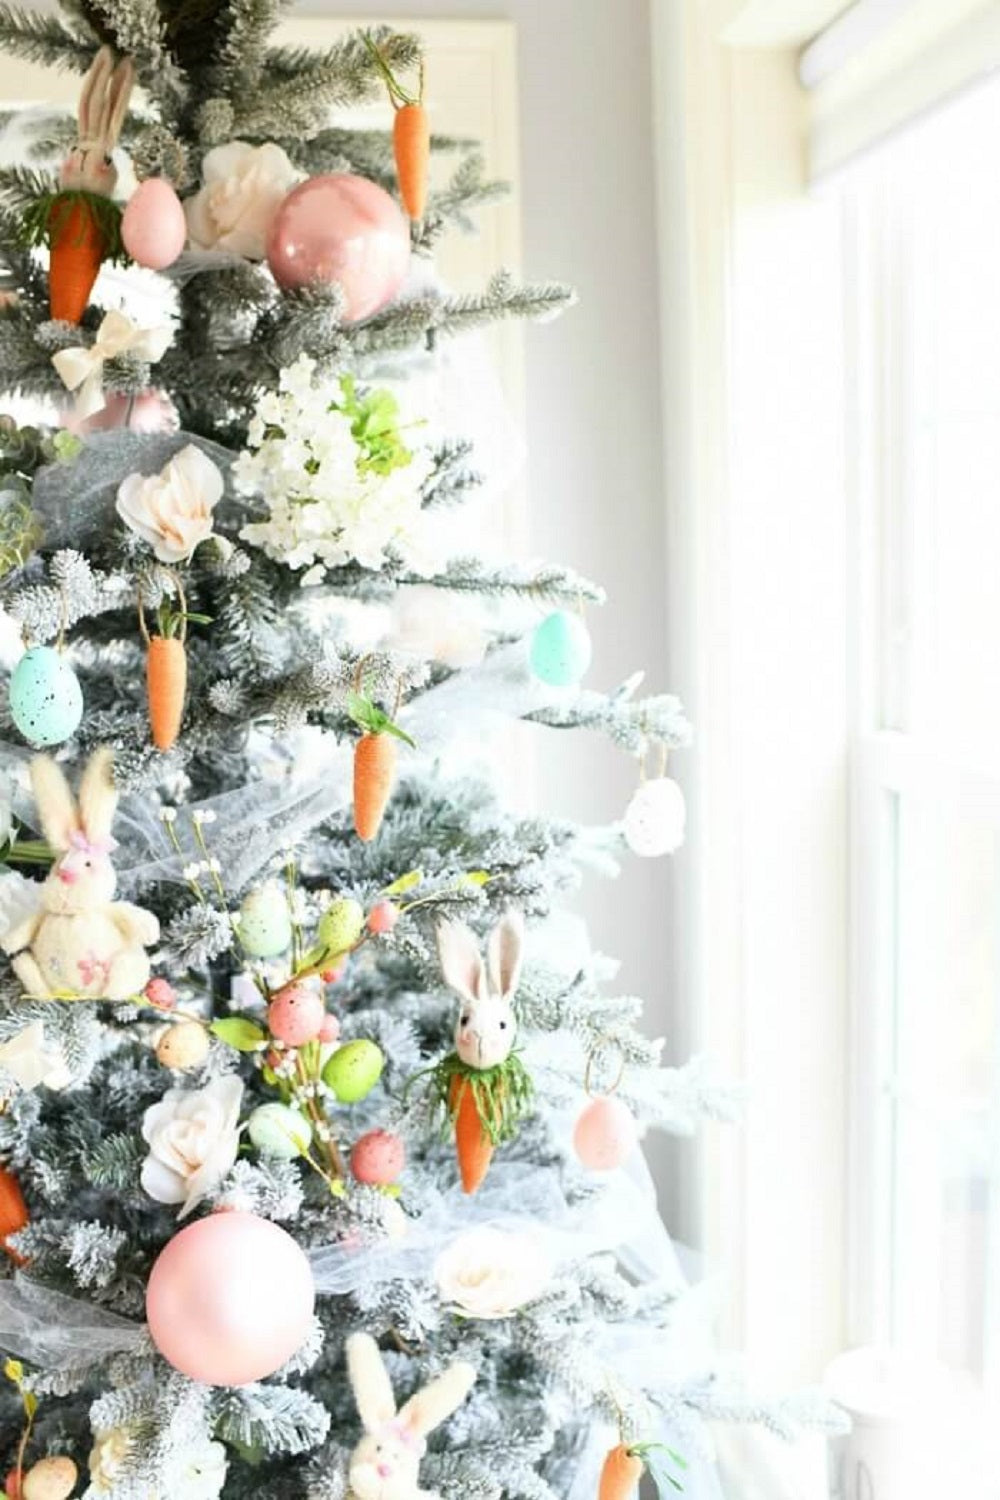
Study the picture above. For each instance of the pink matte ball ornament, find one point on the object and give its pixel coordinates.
(295, 1015)
(383, 917)
(230, 1299)
(378, 1158)
(160, 992)
(330, 1029)
(606, 1134)
(345, 230)
(154, 228)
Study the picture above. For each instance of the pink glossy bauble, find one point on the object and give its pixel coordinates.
(329, 1030)
(383, 917)
(344, 229)
(378, 1158)
(295, 1015)
(230, 1299)
(154, 228)
(605, 1134)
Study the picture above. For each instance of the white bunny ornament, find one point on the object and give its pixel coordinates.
(80, 941)
(385, 1465)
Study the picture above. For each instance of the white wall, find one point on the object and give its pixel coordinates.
(587, 209)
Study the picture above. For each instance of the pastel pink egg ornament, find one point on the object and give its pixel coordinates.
(295, 1015)
(378, 1158)
(605, 1134)
(344, 230)
(230, 1299)
(153, 225)
(329, 1031)
(383, 917)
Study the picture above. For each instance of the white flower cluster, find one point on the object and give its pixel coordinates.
(326, 506)
(197, 1471)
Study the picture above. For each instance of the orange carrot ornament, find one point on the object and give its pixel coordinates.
(625, 1465)
(483, 1086)
(374, 762)
(411, 135)
(13, 1212)
(80, 223)
(166, 668)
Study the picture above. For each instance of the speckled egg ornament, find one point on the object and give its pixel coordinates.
(265, 923)
(295, 1015)
(378, 1158)
(230, 1299)
(50, 1479)
(341, 925)
(183, 1046)
(560, 649)
(606, 1134)
(154, 228)
(46, 702)
(354, 1070)
(280, 1131)
(655, 817)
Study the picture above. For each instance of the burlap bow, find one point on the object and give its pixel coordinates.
(82, 369)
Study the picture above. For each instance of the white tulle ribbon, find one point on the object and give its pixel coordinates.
(53, 1331)
(81, 369)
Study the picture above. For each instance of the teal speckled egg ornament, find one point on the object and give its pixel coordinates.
(46, 703)
(265, 923)
(278, 1130)
(354, 1070)
(561, 649)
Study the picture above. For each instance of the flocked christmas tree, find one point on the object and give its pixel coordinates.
(313, 1077)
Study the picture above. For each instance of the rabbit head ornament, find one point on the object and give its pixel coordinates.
(385, 1465)
(104, 100)
(80, 941)
(486, 1028)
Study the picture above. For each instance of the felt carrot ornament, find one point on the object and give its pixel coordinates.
(375, 757)
(80, 223)
(483, 1086)
(13, 1212)
(625, 1465)
(411, 135)
(166, 667)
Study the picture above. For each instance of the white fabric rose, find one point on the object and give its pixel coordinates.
(488, 1273)
(31, 1059)
(193, 1138)
(242, 186)
(172, 510)
(107, 1456)
(198, 1472)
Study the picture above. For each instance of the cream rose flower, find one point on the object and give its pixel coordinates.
(242, 186)
(198, 1472)
(172, 510)
(31, 1059)
(107, 1456)
(488, 1273)
(193, 1138)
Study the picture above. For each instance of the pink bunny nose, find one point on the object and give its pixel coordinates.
(383, 1471)
(68, 877)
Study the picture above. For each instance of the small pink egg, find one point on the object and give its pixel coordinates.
(606, 1134)
(330, 1029)
(378, 1158)
(383, 917)
(160, 992)
(154, 228)
(295, 1015)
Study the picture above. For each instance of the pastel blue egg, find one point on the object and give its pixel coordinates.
(265, 924)
(561, 649)
(46, 703)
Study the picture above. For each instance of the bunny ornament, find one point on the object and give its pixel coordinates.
(483, 1086)
(80, 942)
(386, 1463)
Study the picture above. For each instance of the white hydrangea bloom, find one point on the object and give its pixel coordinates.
(324, 508)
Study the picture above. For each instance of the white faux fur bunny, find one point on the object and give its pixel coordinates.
(81, 942)
(386, 1463)
(486, 1028)
(103, 103)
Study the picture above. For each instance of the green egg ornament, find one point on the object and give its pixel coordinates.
(265, 923)
(341, 925)
(46, 703)
(561, 649)
(354, 1070)
(278, 1130)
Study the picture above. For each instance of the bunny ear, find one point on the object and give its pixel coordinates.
(90, 112)
(429, 1407)
(119, 93)
(54, 801)
(505, 952)
(98, 798)
(461, 961)
(370, 1382)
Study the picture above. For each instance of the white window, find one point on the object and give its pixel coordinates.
(921, 219)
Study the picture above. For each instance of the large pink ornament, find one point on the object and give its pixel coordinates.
(154, 228)
(230, 1299)
(342, 229)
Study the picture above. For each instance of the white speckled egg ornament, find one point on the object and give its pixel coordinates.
(46, 702)
(655, 817)
(265, 923)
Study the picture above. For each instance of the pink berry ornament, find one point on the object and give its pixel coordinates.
(606, 1134)
(383, 917)
(160, 992)
(295, 1015)
(230, 1299)
(378, 1158)
(330, 1030)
